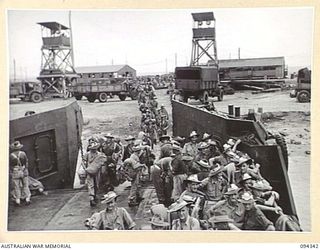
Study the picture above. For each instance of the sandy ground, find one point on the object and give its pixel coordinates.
(284, 114)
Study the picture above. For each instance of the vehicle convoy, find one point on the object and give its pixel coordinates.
(26, 91)
(198, 82)
(303, 89)
(269, 150)
(101, 88)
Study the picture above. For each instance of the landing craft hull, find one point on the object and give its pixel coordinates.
(187, 118)
(51, 142)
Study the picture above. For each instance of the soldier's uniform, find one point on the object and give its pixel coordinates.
(190, 149)
(93, 164)
(18, 161)
(133, 169)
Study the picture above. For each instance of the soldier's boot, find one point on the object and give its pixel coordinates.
(93, 203)
(17, 202)
(28, 201)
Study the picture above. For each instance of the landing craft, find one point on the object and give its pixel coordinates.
(51, 141)
(266, 149)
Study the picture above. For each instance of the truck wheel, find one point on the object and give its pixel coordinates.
(303, 96)
(36, 97)
(281, 141)
(122, 97)
(220, 96)
(91, 98)
(185, 98)
(78, 97)
(103, 97)
(205, 97)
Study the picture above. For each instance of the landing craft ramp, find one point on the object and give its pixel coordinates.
(187, 118)
(51, 141)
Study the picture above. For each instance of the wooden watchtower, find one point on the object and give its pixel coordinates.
(57, 66)
(204, 39)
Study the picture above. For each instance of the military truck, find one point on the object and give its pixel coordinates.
(198, 82)
(303, 89)
(26, 91)
(102, 88)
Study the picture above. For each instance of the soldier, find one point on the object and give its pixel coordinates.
(111, 218)
(254, 219)
(112, 150)
(214, 185)
(179, 172)
(158, 223)
(184, 221)
(166, 147)
(18, 163)
(191, 148)
(128, 148)
(94, 160)
(133, 170)
(230, 206)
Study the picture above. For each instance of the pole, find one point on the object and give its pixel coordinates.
(238, 53)
(175, 59)
(71, 41)
(166, 66)
(14, 70)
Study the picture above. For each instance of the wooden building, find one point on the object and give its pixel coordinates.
(106, 71)
(252, 69)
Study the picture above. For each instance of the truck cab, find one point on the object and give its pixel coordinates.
(303, 89)
(26, 91)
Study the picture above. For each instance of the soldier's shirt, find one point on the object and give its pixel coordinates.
(255, 220)
(234, 212)
(165, 150)
(190, 149)
(190, 224)
(118, 219)
(214, 188)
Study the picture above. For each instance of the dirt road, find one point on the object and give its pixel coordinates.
(283, 114)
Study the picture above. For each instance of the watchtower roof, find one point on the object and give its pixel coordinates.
(54, 26)
(204, 16)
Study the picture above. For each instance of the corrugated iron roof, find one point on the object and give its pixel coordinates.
(251, 62)
(54, 26)
(98, 69)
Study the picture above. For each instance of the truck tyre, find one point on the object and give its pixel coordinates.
(36, 97)
(122, 97)
(205, 97)
(78, 97)
(220, 96)
(303, 96)
(281, 141)
(103, 97)
(91, 98)
(185, 98)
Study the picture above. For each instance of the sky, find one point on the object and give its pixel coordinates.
(150, 40)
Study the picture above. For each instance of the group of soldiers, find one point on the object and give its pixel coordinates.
(200, 185)
(154, 119)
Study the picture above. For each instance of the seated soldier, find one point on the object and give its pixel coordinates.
(214, 185)
(222, 222)
(184, 221)
(230, 206)
(254, 219)
(111, 218)
(199, 197)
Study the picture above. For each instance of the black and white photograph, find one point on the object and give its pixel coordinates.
(163, 119)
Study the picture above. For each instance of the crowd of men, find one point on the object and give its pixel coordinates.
(201, 183)
(154, 119)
